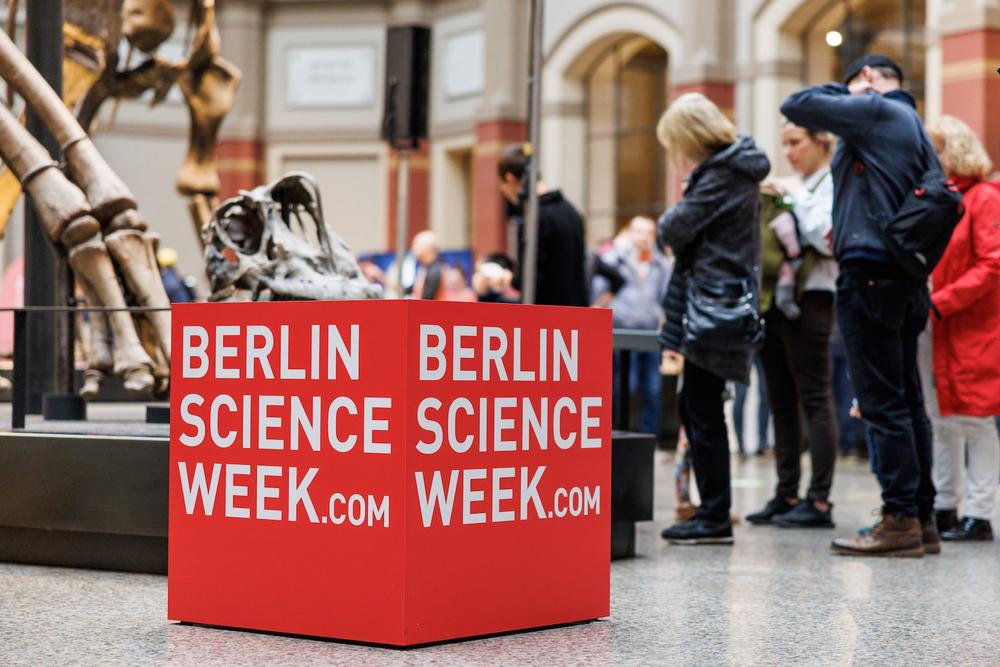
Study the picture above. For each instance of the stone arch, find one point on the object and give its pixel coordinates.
(776, 66)
(567, 63)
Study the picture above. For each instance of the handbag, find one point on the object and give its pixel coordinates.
(723, 314)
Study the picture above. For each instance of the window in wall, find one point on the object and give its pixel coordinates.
(848, 29)
(456, 222)
(351, 186)
(626, 93)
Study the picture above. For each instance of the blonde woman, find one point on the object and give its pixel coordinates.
(711, 305)
(961, 378)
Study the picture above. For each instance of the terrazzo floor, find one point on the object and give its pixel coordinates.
(776, 597)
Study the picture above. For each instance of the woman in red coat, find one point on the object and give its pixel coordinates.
(963, 390)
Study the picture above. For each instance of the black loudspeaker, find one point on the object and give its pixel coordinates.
(407, 85)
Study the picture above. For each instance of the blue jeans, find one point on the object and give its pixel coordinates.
(872, 456)
(763, 409)
(881, 313)
(644, 377)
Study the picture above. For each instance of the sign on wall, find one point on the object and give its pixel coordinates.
(330, 76)
(463, 63)
(398, 472)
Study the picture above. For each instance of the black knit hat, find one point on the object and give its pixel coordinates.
(872, 60)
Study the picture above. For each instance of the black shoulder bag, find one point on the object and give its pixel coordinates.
(723, 314)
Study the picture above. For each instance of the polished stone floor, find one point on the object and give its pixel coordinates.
(776, 597)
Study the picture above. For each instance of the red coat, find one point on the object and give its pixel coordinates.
(966, 294)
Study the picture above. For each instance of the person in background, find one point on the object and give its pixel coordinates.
(457, 285)
(882, 153)
(175, 286)
(493, 279)
(852, 438)
(763, 410)
(371, 271)
(960, 351)
(796, 350)
(637, 304)
(560, 275)
(429, 280)
(714, 234)
(605, 280)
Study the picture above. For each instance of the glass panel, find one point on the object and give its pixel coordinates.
(625, 164)
(601, 160)
(640, 187)
(601, 96)
(892, 27)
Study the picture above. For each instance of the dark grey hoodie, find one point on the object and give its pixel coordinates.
(714, 231)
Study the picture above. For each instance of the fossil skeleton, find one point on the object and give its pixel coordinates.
(85, 208)
(272, 244)
(88, 211)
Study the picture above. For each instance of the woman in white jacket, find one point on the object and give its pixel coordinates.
(796, 352)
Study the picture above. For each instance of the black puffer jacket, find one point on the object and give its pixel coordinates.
(714, 231)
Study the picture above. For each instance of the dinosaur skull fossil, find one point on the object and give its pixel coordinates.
(272, 244)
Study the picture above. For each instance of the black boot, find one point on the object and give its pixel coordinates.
(971, 529)
(945, 520)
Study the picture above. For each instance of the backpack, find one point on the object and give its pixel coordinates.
(918, 234)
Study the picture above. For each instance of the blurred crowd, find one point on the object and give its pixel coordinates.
(851, 309)
(857, 302)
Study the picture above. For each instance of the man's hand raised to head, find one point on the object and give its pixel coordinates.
(862, 83)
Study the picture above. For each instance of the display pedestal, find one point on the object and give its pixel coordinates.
(395, 472)
(84, 501)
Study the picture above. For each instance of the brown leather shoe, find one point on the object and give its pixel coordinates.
(929, 537)
(892, 536)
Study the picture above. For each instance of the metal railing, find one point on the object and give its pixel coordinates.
(19, 382)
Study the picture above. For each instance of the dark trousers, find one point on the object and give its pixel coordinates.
(881, 313)
(705, 425)
(852, 434)
(644, 377)
(763, 410)
(796, 356)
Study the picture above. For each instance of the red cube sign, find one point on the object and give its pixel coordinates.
(398, 472)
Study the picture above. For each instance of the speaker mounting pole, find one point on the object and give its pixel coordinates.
(529, 266)
(402, 209)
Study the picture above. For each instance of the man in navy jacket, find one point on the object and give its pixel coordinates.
(882, 154)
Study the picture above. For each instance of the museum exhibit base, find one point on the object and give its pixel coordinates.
(157, 414)
(84, 501)
(64, 407)
(80, 501)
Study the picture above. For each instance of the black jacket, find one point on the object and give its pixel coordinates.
(561, 274)
(882, 141)
(714, 231)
